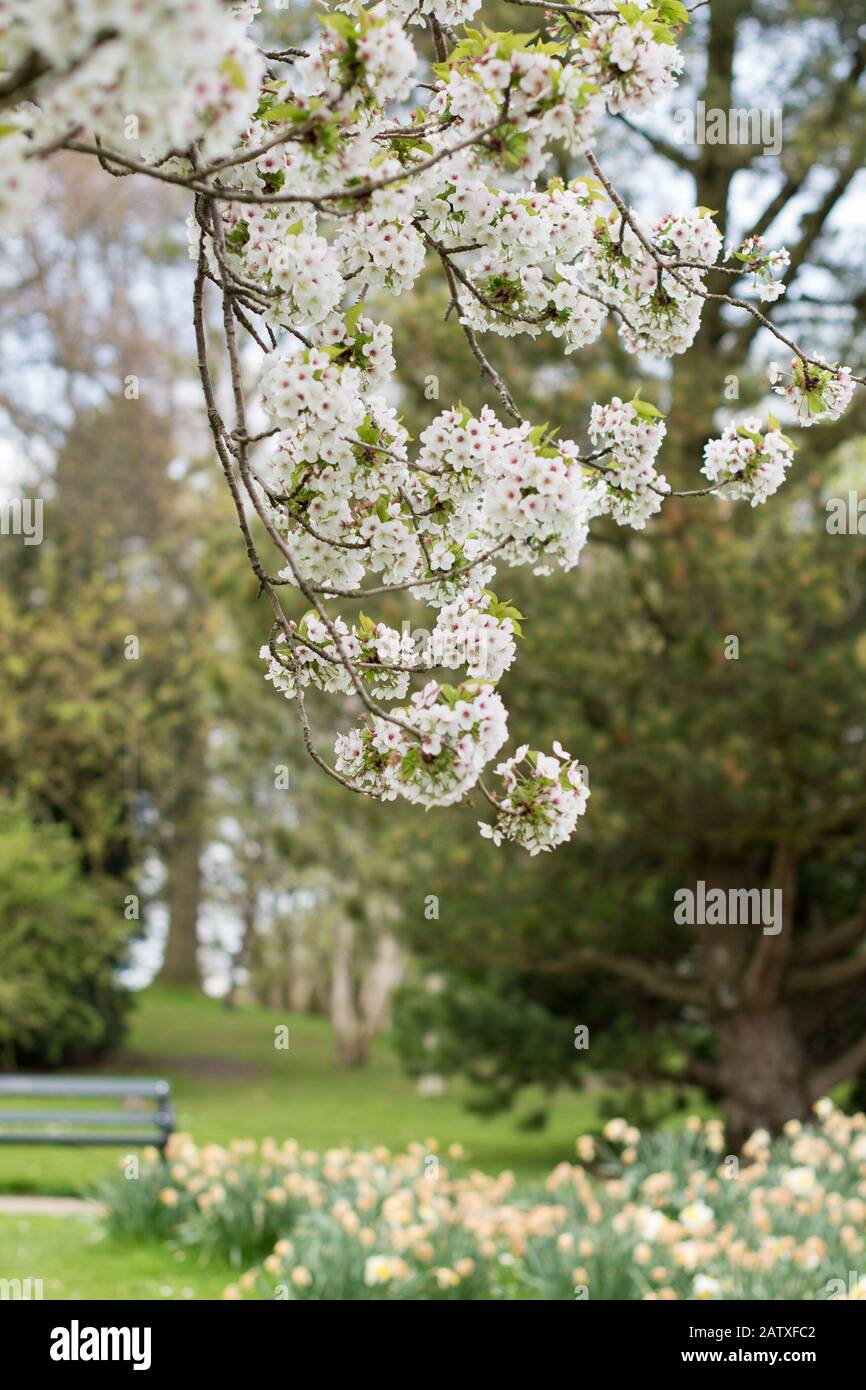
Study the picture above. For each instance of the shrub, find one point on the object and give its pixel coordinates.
(60, 947)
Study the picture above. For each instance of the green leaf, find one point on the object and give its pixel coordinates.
(234, 72)
(674, 11)
(239, 235)
(352, 317)
(342, 24)
(283, 111)
(646, 410)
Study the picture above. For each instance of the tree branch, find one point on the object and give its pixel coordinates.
(661, 146)
(764, 972)
(653, 981)
(847, 1063)
(816, 979)
(835, 942)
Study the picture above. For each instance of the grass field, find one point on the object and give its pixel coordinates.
(73, 1260)
(229, 1081)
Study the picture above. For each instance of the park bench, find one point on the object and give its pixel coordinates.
(128, 1124)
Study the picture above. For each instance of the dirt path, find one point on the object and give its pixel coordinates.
(47, 1206)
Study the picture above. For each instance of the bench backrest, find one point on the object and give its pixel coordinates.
(74, 1087)
(123, 1126)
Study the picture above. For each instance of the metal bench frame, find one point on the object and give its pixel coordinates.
(120, 1127)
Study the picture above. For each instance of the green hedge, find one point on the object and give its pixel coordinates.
(61, 944)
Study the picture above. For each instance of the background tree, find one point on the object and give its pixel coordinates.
(108, 637)
(742, 772)
(61, 943)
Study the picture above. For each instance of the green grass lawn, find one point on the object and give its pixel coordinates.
(229, 1081)
(73, 1260)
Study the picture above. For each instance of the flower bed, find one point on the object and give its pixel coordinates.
(657, 1216)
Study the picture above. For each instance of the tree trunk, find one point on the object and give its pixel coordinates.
(763, 1070)
(241, 957)
(352, 1048)
(302, 968)
(360, 1011)
(763, 1073)
(180, 963)
(380, 980)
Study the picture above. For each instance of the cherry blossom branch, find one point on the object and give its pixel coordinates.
(410, 584)
(671, 269)
(218, 242)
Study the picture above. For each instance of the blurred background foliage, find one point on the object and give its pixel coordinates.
(169, 772)
(60, 949)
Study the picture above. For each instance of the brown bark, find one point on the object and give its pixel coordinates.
(180, 963)
(348, 1039)
(762, 1072)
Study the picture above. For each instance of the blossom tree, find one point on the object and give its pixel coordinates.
(320, 177)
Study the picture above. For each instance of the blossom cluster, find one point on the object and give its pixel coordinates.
(367, 50)
(477, 632)
(659, 302)
(449, 12)
(283, 252)
(674, 1216)
(764, 265)
(321, 655)
(749, 461)
(631, 55)
(359, 501)
(543, 797)
(341, 455)
(629, 435)
(524, 97)
(527, 276)
(146, 78)
(816, 390)
(431, 752)
(537, 495)
(555, 259)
